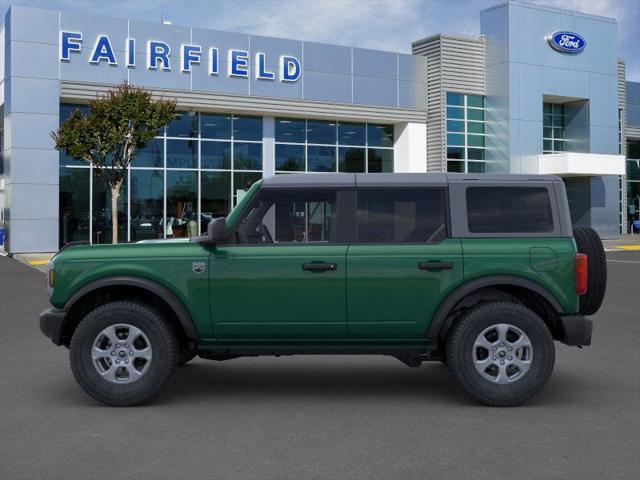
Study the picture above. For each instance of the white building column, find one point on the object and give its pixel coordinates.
(268, 146)
(410, 148)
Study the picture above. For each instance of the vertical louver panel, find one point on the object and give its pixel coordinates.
(454, 64)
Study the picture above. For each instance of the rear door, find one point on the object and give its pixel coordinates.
(402, 263)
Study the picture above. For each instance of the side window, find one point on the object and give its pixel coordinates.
(281, 216)
(401, 215)
(509, 210)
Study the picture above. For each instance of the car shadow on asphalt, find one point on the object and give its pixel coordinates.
(249, 378)
(244, 380)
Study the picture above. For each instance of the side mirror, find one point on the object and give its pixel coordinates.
(217, 231)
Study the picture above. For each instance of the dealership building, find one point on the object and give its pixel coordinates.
(540, 91)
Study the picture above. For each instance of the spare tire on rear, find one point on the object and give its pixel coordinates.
(588, 242)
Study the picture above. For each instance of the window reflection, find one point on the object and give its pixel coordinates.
(215, 191)
(182, 154)
(184, 124)
(182, 204)
(147, 188)
(74, 205)
(321, 159)
(101, 216)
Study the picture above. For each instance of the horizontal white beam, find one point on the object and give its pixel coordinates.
(574, 164)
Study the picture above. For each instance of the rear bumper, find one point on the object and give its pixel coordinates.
(575, 330)
(51, 324)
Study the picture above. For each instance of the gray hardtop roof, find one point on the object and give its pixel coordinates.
(345, 180)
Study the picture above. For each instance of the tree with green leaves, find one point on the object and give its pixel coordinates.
(110, 135)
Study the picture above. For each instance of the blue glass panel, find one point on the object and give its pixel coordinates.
(247, 156)
(379, 135)
(455, 98)
(290, 158)
(455, 126)
(215, 126)
(182, 153)
(455, 139)
(184, 124)
(319, 131)
(351, 160)
(475, 101)
(321, 159)
(215, 155)
(151, 155)
(290, 130)
(473, 114)
(247, 128)
(455, 112)
(475, 140)
(351, 134)
(380, 161)
(455, 152)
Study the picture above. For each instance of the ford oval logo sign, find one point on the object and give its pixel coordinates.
(567, 42)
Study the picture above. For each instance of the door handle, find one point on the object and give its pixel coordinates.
(319, 266)
(435, 265)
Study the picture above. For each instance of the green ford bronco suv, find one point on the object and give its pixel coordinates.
(481, 272)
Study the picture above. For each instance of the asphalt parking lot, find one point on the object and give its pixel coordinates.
(320, 417)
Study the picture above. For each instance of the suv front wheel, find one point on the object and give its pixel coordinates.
(501, 353)
(123, 353)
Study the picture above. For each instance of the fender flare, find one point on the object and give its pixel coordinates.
(181, 312)
(440, 317)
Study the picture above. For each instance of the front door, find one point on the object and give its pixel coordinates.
(285, 279)
(402, 263)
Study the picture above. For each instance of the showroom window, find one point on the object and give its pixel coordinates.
(307, 145)
(196, 169)
(465, 129)
(552, 128)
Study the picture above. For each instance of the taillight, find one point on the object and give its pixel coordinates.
(581, 273)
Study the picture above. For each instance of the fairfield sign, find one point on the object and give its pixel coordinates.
(159, 56)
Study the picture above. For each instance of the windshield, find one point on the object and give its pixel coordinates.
(232, 218)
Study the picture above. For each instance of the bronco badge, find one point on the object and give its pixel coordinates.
(199, 267)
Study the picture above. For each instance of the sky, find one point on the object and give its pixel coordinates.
(378, 24)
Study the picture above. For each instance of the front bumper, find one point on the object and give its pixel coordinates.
(52, 323)
(575, 330)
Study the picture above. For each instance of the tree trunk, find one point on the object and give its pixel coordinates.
(115, 194)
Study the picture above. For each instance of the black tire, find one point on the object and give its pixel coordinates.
(588, 242)
(460, 351)
(186, 356)
(164, 348)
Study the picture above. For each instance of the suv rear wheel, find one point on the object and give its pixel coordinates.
(123, 353)
(501, 353)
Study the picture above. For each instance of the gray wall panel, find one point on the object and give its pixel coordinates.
(327, 87)
(322, 57)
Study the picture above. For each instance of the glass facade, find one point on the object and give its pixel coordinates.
(465, 130)
(552, 128)
(633, 184)
(194, 171)
(305, 145)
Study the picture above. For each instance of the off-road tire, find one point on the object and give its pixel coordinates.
(164, 349)
(460, 346)
(588, 242)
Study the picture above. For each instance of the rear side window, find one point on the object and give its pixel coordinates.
(401, 215)
(509, 210)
